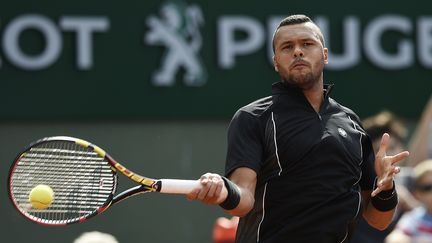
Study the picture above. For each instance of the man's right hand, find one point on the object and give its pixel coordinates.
(212, 190)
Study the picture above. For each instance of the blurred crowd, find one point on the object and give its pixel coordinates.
(413, 220)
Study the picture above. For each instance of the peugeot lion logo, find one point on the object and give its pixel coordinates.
(178, 31)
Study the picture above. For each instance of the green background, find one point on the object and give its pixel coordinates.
(118, 85)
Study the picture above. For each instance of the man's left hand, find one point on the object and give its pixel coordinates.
(385, 166)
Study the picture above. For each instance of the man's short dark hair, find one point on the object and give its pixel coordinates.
(296, 19)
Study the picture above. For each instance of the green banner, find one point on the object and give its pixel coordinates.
(200, 59)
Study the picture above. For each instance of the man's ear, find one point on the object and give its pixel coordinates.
(325, 56)
(275, 64)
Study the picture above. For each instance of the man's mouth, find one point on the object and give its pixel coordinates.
(299, 64)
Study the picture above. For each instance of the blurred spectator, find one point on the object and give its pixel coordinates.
(420, 145)
(416, 226)
(224, 230)
(386, 122)
(95, 237)
(376, 126)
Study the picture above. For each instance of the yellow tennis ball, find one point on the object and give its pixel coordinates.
(41, 196)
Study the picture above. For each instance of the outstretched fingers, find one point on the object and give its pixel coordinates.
(399, 157)
(385, 166)
(385, 141)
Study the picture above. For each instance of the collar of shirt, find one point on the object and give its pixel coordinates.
(281, 88)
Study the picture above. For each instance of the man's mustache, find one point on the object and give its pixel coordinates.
(299, 61)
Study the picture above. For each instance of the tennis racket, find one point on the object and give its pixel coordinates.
(83, 178)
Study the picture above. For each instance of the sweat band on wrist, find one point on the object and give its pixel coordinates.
(233, 198)
(385, 200)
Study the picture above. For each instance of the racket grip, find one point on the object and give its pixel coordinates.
(176, 186)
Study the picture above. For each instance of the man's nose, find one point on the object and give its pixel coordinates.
(298, 52)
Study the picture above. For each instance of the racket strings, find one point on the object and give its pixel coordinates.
(81, 180)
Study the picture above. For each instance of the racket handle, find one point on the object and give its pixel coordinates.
(176, 186)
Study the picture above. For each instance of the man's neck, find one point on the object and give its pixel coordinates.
(315, 95)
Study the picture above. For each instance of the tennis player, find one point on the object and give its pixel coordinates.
(299, 166)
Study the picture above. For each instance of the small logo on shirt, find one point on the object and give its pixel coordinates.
(342, 132)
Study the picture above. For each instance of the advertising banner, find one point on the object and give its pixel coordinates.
(200, 59)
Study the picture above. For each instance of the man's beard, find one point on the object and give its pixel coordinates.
(303, 80)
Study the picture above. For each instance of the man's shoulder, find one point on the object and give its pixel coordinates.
(345, 109)
(257, 107)
(252, 116)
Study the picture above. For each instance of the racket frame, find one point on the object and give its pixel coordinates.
(145, 184)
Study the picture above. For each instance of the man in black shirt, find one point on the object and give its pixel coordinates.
(299, 166)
